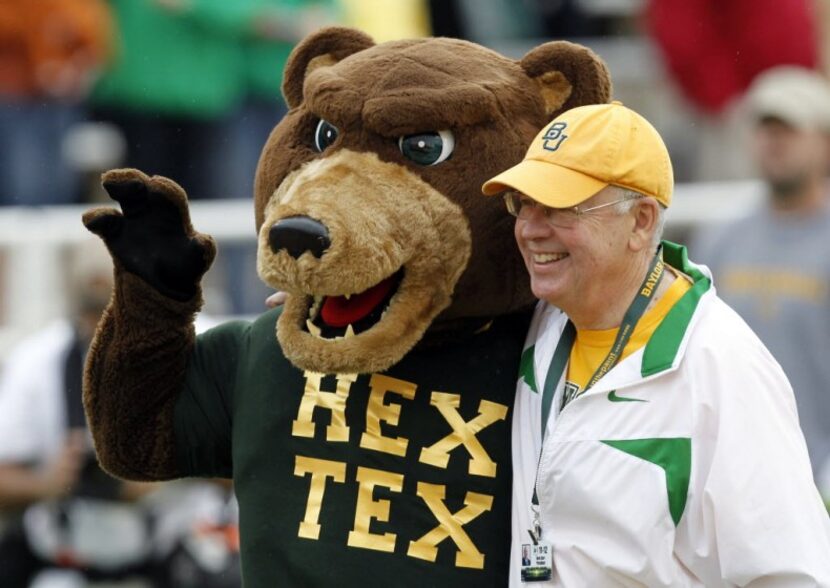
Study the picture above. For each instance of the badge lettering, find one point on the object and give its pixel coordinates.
(652, 279)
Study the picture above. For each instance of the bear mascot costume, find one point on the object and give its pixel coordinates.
(364, 424)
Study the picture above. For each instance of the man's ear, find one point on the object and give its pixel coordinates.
(567, 75)
(320, 49)
(646, 215)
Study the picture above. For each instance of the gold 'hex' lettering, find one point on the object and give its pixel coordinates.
(368, 508)
(377, 411)
(313, 396)
(438, 454)
(320, 470)
(450, 525)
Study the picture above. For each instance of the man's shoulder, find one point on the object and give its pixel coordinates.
(722, 337)
(721, 326)
(726, 368)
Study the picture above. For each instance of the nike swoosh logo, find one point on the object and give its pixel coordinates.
(612, 396)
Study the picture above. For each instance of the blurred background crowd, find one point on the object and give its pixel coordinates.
(190, 89)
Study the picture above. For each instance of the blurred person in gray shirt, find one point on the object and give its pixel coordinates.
(773, 267)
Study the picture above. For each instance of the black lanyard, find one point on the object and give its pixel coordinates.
(566, 340)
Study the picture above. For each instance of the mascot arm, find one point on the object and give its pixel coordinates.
(137, 362)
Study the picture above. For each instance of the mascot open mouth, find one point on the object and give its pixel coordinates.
(332, 317)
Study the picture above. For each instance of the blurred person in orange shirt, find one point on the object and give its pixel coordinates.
(51, 52)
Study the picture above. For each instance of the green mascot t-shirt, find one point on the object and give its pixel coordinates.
(357, 480)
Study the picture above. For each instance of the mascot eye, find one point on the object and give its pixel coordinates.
(325, 135)
(427, 148)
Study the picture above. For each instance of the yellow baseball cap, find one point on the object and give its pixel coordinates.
(584, 150)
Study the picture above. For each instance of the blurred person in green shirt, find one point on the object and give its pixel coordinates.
(195, 87)
(179, 79)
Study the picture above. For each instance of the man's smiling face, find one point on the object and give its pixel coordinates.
(573, 265)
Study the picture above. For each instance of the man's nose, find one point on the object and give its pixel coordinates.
(298, 234)
(535, 223)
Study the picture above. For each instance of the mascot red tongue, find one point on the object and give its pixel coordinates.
(339, 311)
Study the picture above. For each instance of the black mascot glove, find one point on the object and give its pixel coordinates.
(152, 237)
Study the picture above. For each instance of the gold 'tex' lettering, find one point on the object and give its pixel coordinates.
(438, 454)
(320, 470)
(450, 525)
(368, 508)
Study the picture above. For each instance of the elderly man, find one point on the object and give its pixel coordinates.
(655, 440)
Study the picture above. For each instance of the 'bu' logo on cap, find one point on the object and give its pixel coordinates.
(554, 136)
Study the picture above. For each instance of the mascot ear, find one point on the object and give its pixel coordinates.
(320, 49)
(567, 75)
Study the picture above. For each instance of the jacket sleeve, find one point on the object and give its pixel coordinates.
(760, 516)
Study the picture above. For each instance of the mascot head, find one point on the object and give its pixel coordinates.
(367, 193)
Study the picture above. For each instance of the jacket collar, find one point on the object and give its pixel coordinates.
(666, 347)
(663, 350)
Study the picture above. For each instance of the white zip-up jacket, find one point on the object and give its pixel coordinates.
(683, 466)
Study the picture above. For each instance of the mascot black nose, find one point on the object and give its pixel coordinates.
(298, 234)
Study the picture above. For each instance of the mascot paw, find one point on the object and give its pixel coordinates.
(152, 236)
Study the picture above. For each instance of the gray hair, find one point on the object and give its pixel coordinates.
(629, 198)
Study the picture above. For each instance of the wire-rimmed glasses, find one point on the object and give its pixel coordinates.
(522, 206)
